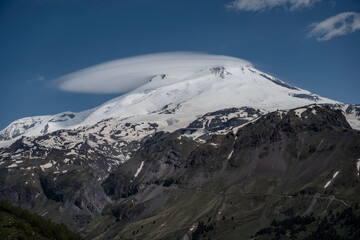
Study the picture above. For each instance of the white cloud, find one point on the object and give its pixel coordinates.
(37, 78)
(261, 5)
(341, 24)
(41, 78)
(124, 75)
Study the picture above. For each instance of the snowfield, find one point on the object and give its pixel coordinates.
(176, 96)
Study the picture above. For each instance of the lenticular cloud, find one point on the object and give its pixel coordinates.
(124, 75)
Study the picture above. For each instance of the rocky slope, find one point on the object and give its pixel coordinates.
(234, 169)
(286, 164)
(59, 174)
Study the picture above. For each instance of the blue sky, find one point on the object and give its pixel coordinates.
(41, 40)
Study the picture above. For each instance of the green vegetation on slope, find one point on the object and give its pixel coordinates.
(18, 223)
(335, 226)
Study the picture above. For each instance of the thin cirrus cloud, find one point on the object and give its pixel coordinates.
(341, 24)
(124, 75)
(261, 5)
(36, 78)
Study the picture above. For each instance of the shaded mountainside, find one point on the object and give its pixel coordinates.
(286, 164)
(228, 174)
(59, 174)
(341, 225)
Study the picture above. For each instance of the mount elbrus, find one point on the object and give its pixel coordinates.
(220, 151)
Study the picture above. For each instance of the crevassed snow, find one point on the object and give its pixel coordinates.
(139, 169)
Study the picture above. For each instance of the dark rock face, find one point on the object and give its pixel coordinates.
(63, 118)
(279, 82)
(119, 186)
(169, 108)
(226, 118)
(311, 97)
(74, 197)
(51, 190)
(353, 109)
(19, 194)
(219, 71)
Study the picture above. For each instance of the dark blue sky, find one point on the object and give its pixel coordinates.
(41, 40)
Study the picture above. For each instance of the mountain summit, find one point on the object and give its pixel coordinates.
(175, 97)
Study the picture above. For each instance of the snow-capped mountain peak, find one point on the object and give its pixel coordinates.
(175, 98)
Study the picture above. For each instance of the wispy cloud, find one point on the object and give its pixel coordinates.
(261, 5)
(341, 24)
(37, 78)
(124, 75)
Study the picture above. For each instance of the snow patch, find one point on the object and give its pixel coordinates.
(231, 153)
(192, 227)
(299, 111)
(72, 152)
(12, 165)
(330, 181)
(139, 169)
(47, 165)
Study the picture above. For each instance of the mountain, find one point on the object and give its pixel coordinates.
(213, 150)
(286, 164)
(174, 100)
(54, 171)
(233, 170)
